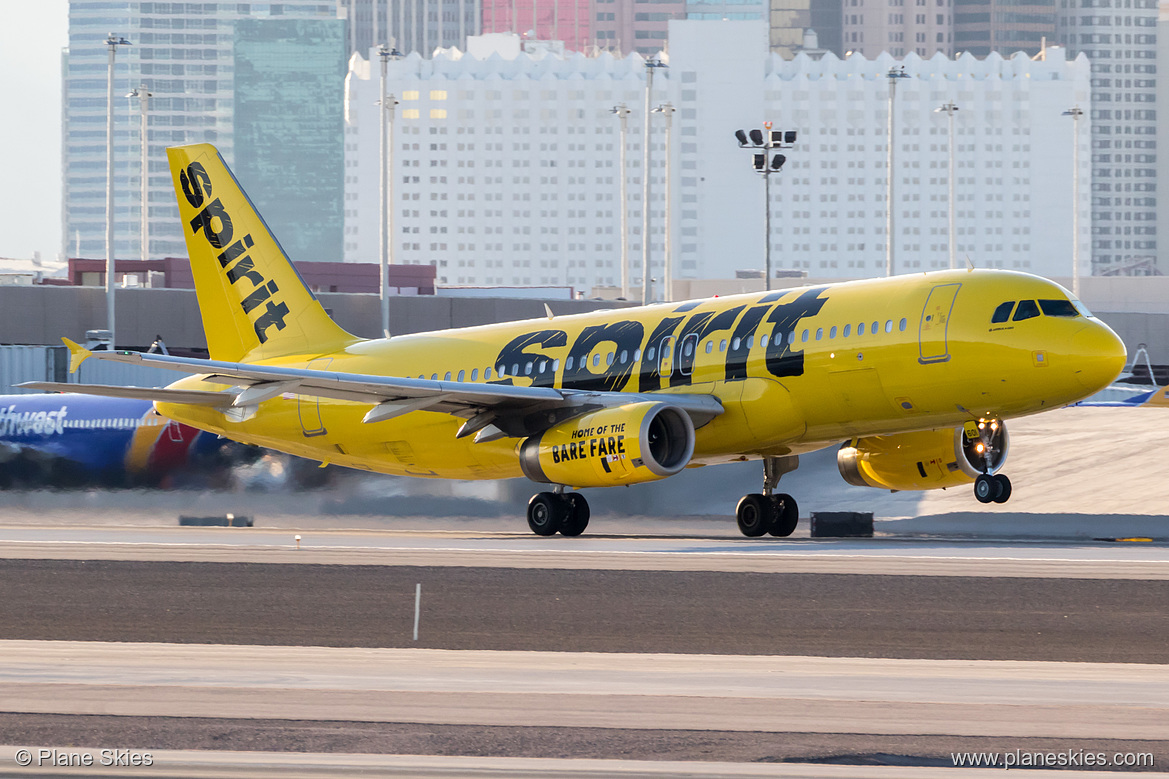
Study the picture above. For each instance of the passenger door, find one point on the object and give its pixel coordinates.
(933, 332)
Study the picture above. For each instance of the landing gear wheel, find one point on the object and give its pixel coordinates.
(755, 515)
(546, 513)
(987, 488)
(577, 517)
(786, 515)
(1004, 488)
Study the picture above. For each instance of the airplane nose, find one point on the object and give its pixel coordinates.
(1099, 356)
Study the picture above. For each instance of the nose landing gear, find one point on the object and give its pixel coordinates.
(994, 488)
(552, 512)
(768, 513)
(986, 440)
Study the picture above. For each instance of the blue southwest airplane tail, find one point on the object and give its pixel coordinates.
(71, 438)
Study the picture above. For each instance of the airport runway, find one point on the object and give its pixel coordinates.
(674, 648)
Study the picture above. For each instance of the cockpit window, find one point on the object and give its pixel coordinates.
(1081, 308)
(1058, 308)
(1003, 312)
(1026, 310)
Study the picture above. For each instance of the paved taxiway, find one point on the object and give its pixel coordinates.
(574, 689)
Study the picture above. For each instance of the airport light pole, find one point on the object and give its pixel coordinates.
(894, 74)
(143, 95)
(651, 65)
(621, 111)
(385, 187)
(762, 143)
(1075, 114)
(949, 109)
(667, 112)
(112, 44)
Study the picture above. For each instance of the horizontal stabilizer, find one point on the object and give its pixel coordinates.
(186, 397)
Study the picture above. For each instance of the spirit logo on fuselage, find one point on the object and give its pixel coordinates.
(196, 185)
(672, 347)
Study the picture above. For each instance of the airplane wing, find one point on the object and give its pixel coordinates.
(491, 410)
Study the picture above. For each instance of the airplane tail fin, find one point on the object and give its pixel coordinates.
(253, 301)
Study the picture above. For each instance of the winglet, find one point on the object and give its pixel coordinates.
(969, 264)
(548, 311)
(77, 354)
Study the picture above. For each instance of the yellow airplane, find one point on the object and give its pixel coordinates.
(915, 374)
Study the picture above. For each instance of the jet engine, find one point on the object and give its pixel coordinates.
(925, 460)
(629, 444)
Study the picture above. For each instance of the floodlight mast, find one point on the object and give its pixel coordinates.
(949, 109)
(385, 187)
(112, 43)
(622, 112)
(762, 143)
(651, 64)
(1075, 114)
(893, 75)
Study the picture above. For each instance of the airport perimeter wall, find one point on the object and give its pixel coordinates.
(33, 319)
(41, 315)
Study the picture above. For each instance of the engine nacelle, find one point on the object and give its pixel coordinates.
(629, 444)
(927, 460)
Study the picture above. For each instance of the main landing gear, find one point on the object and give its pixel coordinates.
(563, 512)
(760, 514)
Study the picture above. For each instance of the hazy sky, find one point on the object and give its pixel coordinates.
(31, 39)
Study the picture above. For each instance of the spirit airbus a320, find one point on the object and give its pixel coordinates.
(915, 374)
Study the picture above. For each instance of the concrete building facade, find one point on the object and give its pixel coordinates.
(899, 27)
(184, 54)
(1120, 40)
(506, 171)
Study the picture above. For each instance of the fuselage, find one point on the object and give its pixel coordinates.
(795, 370)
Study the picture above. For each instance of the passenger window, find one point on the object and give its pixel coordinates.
(688, 347)
(636, 355)
(847, 330)
(568, 365)
(888, 325)
(542, 366)
(791, 337)
(750, 341)
(624, 356)
(1026, 310)
(474, 374)
(515, 369)
(501, 370)
(555, 365)
(596, 359)
(832, 332)
(722, 345)
(903, 324)
(1002, 313)
(487, 374)
(649, 353)
(860, 329)
(609, 358)
(528, 369)
(462, 375)
(763, 340)
(1058, 308)
(876, 328)
(819, 333)
(804, 337)
(735, 344)
(709, 347)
